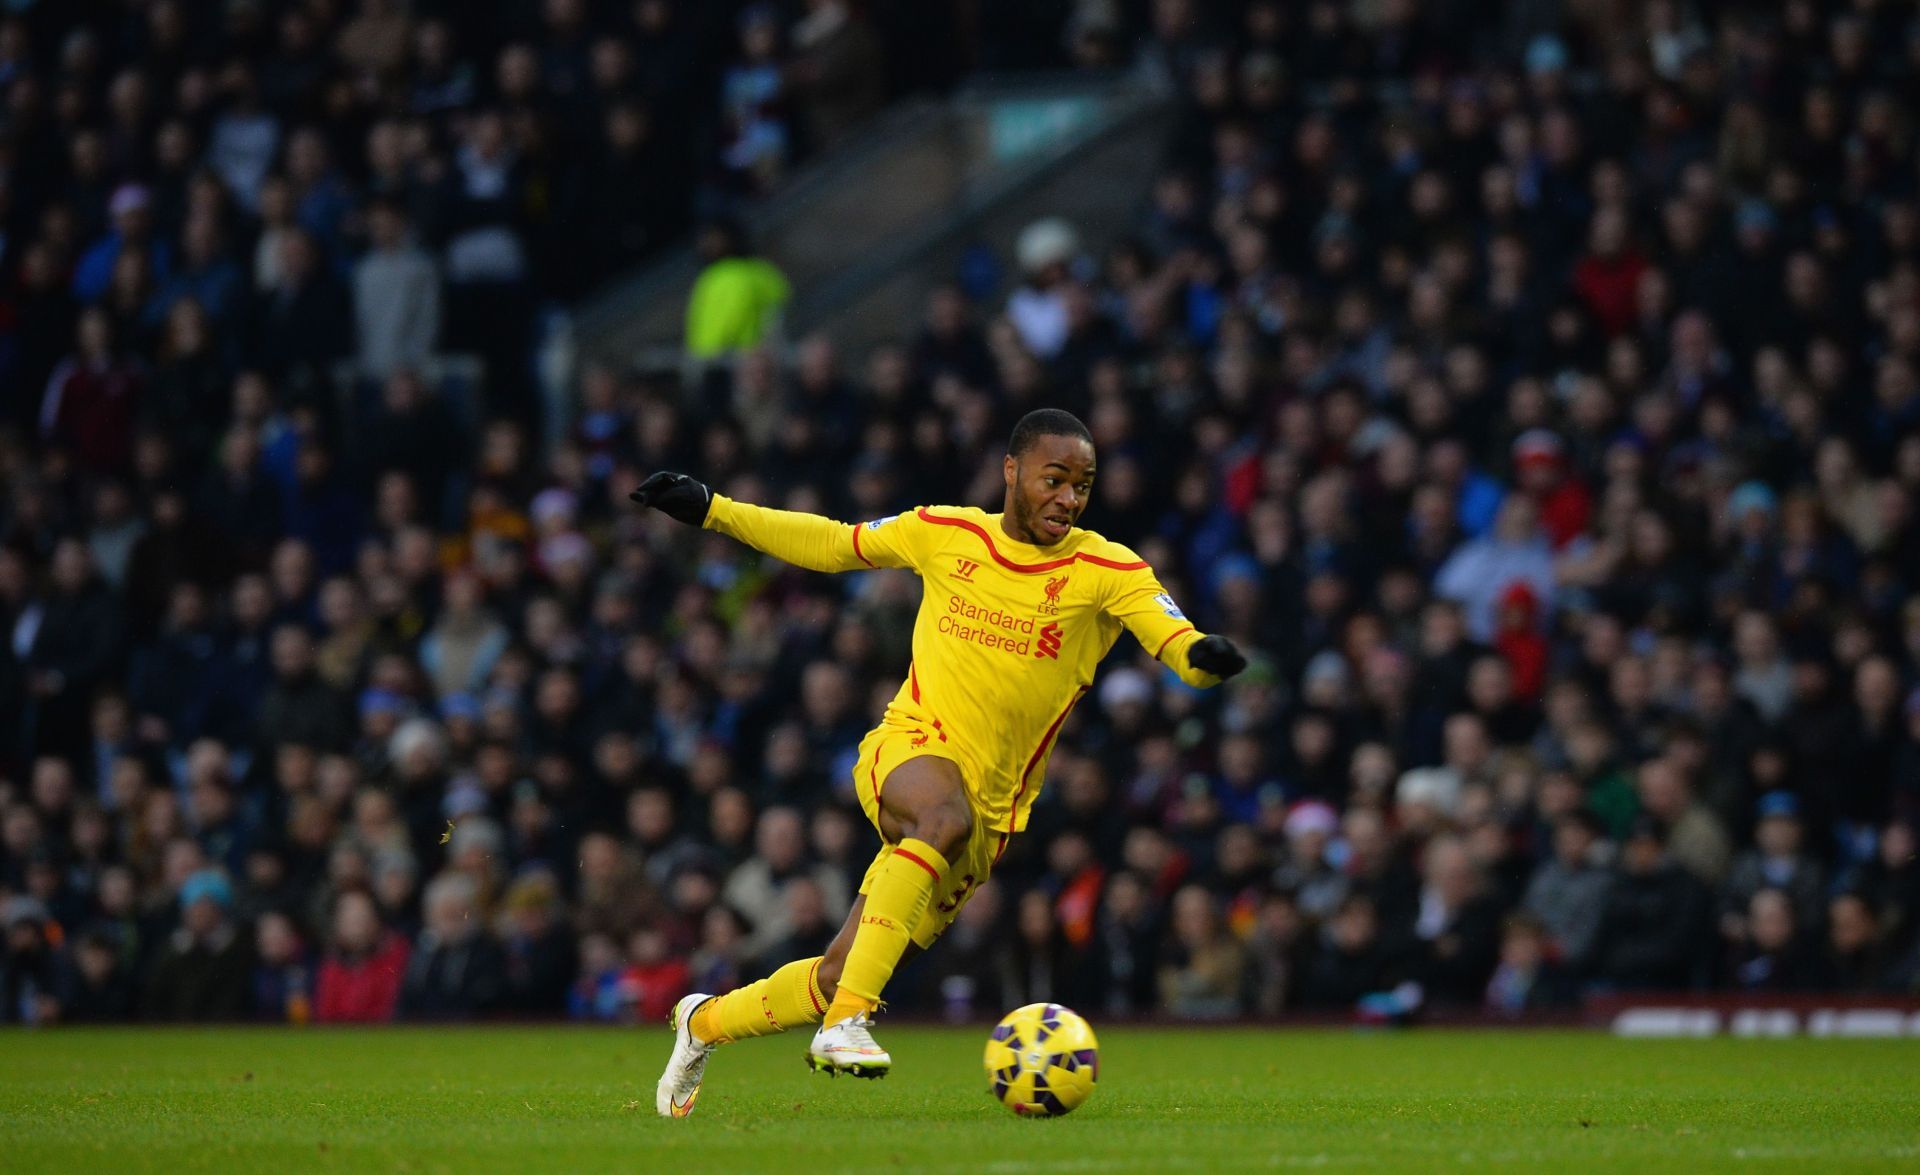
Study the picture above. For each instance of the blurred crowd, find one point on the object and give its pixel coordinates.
(1529, 387)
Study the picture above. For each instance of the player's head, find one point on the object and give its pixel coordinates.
(1049, 474)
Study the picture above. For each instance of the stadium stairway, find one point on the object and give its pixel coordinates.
(864, 233)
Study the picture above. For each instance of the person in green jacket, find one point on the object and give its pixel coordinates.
(737, 299)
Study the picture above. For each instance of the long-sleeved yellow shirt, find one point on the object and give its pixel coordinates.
(1008, 634)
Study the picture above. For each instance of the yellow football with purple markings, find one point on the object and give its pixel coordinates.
(1042, 1060)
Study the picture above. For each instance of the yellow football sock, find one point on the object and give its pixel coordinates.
(785, 999)
(895, 903)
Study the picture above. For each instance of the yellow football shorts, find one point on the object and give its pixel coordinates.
(885, 748)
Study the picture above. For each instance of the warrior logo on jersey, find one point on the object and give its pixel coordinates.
(1051, 605)
(1168, 606)
(964, 570)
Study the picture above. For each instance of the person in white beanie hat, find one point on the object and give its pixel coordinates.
(1038, 309)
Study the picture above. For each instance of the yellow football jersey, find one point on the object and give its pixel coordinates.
(1008, 634)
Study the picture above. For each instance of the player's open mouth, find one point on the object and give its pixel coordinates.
(1056, 525)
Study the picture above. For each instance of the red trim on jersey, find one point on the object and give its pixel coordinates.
(856, 547)
(931, 871)
(1004, 838)
(1112, 564)
(813, 987)
(1026, 568)
(913, 682)
(1046, 740)
(1163, 644)
(873, 777)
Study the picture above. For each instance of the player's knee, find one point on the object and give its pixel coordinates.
(827, 975)
(947, 828)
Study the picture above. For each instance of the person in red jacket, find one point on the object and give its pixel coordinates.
(92, 397)
(654, 978)
(360, 980)
(1607, 279)
(1540, 470)
(1519, 641)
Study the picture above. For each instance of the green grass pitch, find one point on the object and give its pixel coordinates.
(1207, 1100)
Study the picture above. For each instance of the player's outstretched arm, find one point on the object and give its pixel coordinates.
(804, 540)
(1150, 614)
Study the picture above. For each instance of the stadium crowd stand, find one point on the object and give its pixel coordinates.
(1530, 386)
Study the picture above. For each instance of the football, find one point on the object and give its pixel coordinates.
(1042, 1060)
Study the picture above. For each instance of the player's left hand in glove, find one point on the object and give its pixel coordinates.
(677, 496)
(1216, 655)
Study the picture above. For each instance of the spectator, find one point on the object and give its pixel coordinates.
(360, 978)
(754, 100)
(410, 437)
(1853, 958)
(1568, 894)
(1038, 309)
(1128, 943)
(1774, 955)
(283, 987)
(131, 235)
(757, 889)
(1527, 978)
(836, 70)
(1540, 471)
(205, 969)
(185, 402)
(719, 963)
(396, 297)
(456, 971)
(206, 274)
(100, 990)
(374, 43)
(1694, 836)
(1310, 875)
(300, 707)
(1458, 925)
(737, 300)
(597, 993)
(1278, 949)
(540, 954)
(653, 980)
(93, 398)
(299, 327)
(1351, 961)
(1200, 977)
(1480, 572)
(29, 974)
(1775, 862)
(1036, 968)
(75, 644)
(244, 138)
(1650, 930)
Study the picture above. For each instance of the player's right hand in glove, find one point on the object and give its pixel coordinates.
(677, 496)
(1216, 655)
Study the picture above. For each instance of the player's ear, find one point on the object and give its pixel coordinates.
(1007, 466)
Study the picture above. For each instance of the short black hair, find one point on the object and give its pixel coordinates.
(1045, 422)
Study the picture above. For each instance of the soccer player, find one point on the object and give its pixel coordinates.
(1017, 610)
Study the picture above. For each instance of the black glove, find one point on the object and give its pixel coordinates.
(677, 496)
(1216, 655)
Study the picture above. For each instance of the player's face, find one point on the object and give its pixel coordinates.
(1047, 489)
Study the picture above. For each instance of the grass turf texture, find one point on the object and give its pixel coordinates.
(562, 1099)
